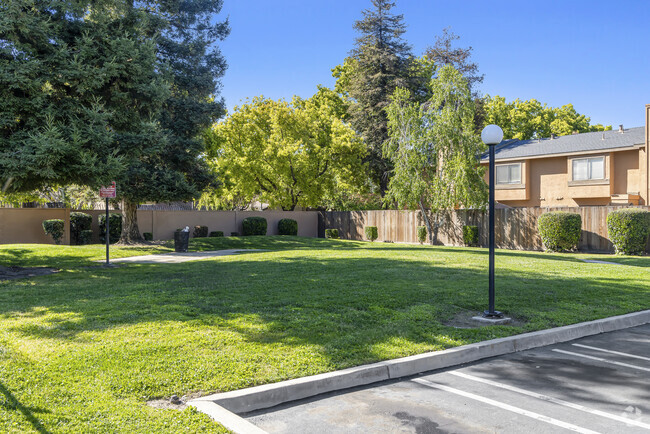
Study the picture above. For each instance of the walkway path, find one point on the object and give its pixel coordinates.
(175, 258)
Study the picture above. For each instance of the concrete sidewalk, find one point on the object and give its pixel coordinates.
(176, 258)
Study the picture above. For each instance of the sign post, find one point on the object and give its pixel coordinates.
(108, 192)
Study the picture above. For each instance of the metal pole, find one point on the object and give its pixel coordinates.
(108, 233)
(491, 313)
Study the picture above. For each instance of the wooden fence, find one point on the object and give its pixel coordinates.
(515, 228)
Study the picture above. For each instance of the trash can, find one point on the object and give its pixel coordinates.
(181, 241)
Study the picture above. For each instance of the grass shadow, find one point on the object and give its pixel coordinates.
(11, 403)
(339, 304)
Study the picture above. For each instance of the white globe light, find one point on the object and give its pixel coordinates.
(492, 135)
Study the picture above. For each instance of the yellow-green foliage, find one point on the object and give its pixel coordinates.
(628, 230)
(285, 154)
(526, 119)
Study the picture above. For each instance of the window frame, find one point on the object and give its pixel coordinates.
(510, 183)
(589, 169)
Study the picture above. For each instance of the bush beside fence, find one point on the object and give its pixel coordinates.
(516, 228)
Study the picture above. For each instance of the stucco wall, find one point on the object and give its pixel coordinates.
(548, 182)
(24, 225)
(626, 172)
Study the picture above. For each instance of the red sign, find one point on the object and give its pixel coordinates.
(108, 191)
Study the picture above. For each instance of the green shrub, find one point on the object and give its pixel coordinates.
(560, 231)
(332, 233)
(200, 232)
(470, 235)
(234, 234)
(422, 234)
(148, 236)
(216, 234)
(115, 223)
(371, 233)
(288, 227)
(86, 237)
(79, 221)
(254, 226)
(628, 230)
(55, 229)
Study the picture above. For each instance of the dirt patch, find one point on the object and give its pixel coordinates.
(463, 320)
(7, 273)
(174, 403)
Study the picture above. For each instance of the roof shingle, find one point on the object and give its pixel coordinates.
(585, 142)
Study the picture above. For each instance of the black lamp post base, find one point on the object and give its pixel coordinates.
(495, 314)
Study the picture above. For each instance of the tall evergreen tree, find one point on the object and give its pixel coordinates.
(380, 62)
(95, 91)
(57, 71)
(171, 169)
(444, 53)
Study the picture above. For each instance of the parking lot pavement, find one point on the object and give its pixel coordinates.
(596, 384)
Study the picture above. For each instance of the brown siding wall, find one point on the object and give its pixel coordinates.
(516, 228)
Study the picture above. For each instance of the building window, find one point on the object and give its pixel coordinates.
(585, 169)
(509, 173)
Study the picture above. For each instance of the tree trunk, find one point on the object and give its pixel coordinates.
(427, 222)
(130, 231)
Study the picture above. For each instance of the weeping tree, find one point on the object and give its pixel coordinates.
(434, 150)
(96, 91)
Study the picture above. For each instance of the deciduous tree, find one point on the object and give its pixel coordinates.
(95, 91)
(286, 154)
(528, 119)
(435, 150)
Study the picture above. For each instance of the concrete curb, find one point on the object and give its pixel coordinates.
(270, 395)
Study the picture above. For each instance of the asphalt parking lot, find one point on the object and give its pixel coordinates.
(596, 384)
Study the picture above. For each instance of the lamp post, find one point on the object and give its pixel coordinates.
(491, 135)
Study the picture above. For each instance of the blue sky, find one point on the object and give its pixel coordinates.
(594, 54)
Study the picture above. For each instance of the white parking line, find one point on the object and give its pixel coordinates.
(503, 406)
(612, 352)
(641, 368)
(551, 399)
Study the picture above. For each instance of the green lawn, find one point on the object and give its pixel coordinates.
(84, 349)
